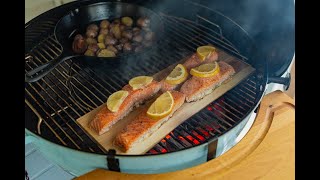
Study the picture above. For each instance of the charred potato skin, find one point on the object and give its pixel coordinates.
(93, 47)
(79, 44)
(143, 22)
(93, 27)
(104, 24)
(119, 35)
(91, 33)
(104, 31)
(110, 40)
(127, 34)
(127, 47)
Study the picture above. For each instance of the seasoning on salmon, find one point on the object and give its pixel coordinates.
(104, 119)
(196, 88)
(143, 126)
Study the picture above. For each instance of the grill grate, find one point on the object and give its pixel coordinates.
(72, 90)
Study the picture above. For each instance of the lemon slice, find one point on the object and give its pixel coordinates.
(204, 51)
(206, 70)
(177, 75)
(140, 82)
(116, 99)
(161, 107)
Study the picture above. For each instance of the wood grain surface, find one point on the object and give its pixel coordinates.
(266, 152)
(242, 69)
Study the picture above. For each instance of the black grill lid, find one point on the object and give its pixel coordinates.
(270, 23)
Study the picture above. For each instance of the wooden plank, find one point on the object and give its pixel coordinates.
(242, 70)
(266, 152)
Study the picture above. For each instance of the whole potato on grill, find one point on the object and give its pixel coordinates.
(93, 47)
(104, 31)
(101, 45)
(110, 40)
(127, 21)
(79, 45)
(101, 38)
(115, 30)
(137, 38)
(104, 24)
(93, 27)
(112, 48)
(89, 53)
(91, 33)
(119, 47)
(127, 34)
(124, 40)
(122, 27)
(127, 47)
(112, 37)
(105, 53)
(143, 22)
(91, 41)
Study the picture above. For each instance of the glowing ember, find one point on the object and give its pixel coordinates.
(168, 136)
(152, 151)
(209, 128)
(192, 139)
(163, 150)
(209, 108)
(163, 140)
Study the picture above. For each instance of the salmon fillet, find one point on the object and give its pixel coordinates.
(195, 61)
(142, 126)
(190, 63)
(196, 88)
(104, 119)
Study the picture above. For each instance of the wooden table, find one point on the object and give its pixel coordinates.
(266, 152)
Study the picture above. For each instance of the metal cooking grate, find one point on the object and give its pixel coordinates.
(72, 90)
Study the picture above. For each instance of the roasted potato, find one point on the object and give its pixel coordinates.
(91, 33)
(101, 38)
(119, 47)
(122, 27)
(104, 31)
(93, 27)
(115, 30)
(127, 34)
(91, 41)
(105, 53)
(93, 47)
(101, 45)
(127, 21)
(112, 48)
(123, 40)
(110, 40)
(127, 47)
(89, 53)
(79, 45)
(137, 38)
(143, 22)
(104, 24)
(136, 31)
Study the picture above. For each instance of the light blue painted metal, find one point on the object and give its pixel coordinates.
(78, 162)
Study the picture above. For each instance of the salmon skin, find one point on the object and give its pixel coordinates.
(192, 62)
(104, 119)
(196, 88)
(142, 126)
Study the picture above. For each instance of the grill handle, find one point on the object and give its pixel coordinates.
(42, 70)
(281, 80)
